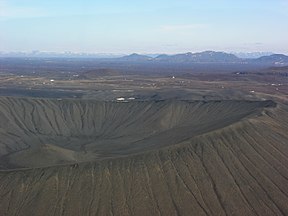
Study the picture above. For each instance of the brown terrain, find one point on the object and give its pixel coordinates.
(189, 144)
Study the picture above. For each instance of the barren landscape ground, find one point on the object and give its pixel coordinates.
(102, 141)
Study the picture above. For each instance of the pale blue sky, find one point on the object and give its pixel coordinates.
(126, 26)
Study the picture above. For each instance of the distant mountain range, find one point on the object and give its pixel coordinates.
(209, 57)
(199, 57)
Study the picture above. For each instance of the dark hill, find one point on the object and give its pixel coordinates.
(145, 158)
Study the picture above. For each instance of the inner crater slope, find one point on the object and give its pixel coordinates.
(46, 132)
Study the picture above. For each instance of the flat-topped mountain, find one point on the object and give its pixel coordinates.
(203, 57)
(277, 59)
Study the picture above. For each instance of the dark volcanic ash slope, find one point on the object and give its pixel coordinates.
(183, 158)
(41, 132)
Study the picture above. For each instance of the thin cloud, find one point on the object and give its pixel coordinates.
(187, 27)
(8, 11)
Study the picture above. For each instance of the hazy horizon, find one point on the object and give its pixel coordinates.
(40, 52)
(126, 26)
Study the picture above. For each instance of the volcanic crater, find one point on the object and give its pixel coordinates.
(45, 132)
(86, 157)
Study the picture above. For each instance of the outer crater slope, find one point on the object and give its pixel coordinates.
(143, 158)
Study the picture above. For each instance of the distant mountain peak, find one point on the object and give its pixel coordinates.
(136, 57)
